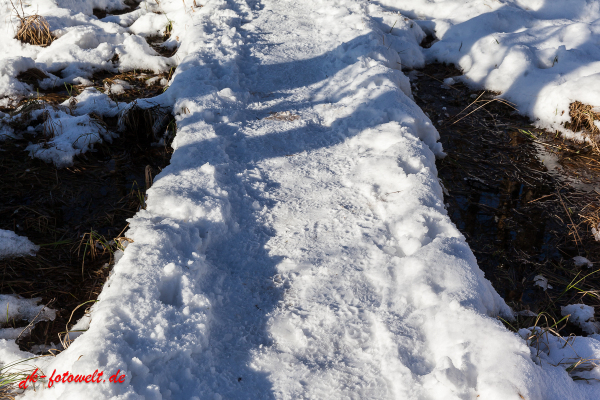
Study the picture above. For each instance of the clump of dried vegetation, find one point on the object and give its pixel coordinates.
(34, 29)
(283, 116)
(11, 374)
(583, 119)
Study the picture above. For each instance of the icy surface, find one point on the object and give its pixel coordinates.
(298, 245)
(13, 245)
(540, 54)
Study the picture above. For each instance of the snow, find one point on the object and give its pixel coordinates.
(13, 245)
(596, 233)
(581, 261)
(84, 44)
(297, 246)
(539, 54)
(6, 132)
(68, 135)
(583, 316)
(15, 308)
(577, 354)
(541, 281)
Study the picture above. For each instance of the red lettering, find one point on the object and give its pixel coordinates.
(122, 377)
(113, 378)
(51, 382)
(31, 378)
(69, 377)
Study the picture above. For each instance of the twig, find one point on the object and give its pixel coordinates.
(32, 323)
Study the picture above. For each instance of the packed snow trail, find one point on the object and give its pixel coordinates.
(298, 246)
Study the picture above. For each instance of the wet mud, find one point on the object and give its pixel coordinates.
(511, 191)
(77, 215)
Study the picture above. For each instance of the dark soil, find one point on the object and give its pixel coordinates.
(58, 209)
(519, 218)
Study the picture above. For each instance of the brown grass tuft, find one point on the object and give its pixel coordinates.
(590, 214)
(34, 29)
(582, 119)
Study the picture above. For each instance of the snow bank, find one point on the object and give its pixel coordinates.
(13, 245)
(540, 54)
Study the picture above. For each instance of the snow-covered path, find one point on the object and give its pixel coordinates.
(298, 246)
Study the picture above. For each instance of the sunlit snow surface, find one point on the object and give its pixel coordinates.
(540, 54)
(287, 258)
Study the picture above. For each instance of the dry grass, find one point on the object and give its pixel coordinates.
(51, 128)
(283, 116)
(63, 337)
(544, 329)
(590, 215)
(582, 119)
(11, 374)
(485, 103)
(137, 79)
(34, 29)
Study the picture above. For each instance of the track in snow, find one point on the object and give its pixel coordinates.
(310, 257)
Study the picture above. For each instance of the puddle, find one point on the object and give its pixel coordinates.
(512, 195)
